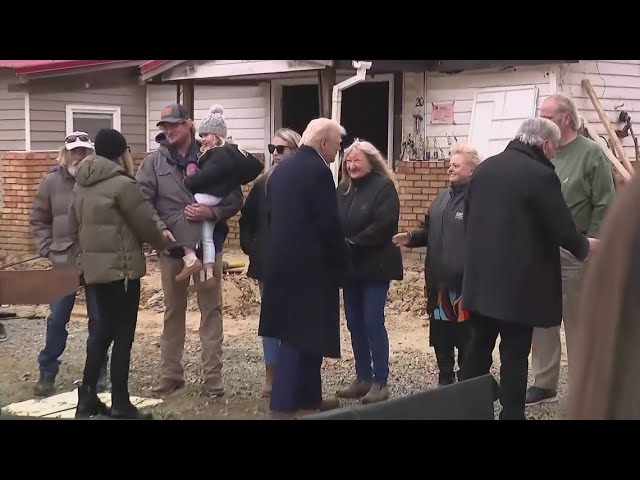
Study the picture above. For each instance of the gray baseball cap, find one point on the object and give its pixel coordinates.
(174, 113)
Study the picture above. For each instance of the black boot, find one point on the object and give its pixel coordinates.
(446, 379)
(45, 386)
(89, 405)
(129, 412)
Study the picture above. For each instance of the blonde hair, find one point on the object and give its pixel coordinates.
(219, 143)
(319, 129)
(63, 156)
(375, 159)
(290, 136)
(127, 162)
(469, 153)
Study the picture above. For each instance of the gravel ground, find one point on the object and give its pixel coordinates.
(412, 362)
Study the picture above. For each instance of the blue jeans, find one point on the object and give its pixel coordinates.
(364, 303)
(56, 340)
(270, 346)
(297, 381)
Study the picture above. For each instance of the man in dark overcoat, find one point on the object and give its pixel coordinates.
(516, 221)
(304, 258)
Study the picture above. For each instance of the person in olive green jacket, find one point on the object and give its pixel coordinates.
(588, 190)
(110, 220)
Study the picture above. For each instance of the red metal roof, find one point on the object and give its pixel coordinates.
(152, 65)
(26, 67)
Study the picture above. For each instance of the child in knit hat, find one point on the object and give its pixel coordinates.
(222, 167)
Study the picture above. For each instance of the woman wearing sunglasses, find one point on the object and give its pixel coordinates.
(253, 223)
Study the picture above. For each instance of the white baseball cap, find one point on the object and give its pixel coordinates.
(78, 139)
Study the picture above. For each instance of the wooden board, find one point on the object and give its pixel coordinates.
(614, 141)
(37, 287)
(612, 158)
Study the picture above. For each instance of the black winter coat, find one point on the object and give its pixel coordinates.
(253, 225)
(369, 215)
(442, 232)
(304, 256)
(223, 169)
(516, 221)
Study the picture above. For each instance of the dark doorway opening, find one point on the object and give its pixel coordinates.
(365, 111)
(300, 105)
(365, 114)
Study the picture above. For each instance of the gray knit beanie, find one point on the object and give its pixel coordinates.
(214, 122)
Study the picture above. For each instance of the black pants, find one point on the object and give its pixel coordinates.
(117, 318)
(445, 337)
(515, 344)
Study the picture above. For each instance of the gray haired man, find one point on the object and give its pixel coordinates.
(588, 190)
(517, 219)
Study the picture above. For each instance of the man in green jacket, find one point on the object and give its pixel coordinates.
(588, 189)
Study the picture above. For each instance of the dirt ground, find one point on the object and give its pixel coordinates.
(412, 362)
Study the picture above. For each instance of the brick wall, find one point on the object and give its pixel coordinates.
(419, 183)
(21, 172)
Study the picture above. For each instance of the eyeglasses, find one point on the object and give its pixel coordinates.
(276, 148)
(74, 138)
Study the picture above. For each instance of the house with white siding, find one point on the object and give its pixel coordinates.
(484, 101)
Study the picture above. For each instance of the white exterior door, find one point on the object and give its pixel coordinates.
(497, 114)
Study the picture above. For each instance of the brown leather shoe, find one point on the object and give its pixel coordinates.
(212, 389)
(167, 387)
(329, 404)
(188, 271)
(377, 393)
(268, 381)
(357, 389)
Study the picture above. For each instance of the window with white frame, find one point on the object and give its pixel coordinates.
(92, 118)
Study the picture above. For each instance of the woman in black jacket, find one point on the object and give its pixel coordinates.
(369, 210)
(253, 226)
(443, 234)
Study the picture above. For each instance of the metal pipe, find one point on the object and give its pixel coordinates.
(336, 103)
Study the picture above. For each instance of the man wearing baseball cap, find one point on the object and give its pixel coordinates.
(161, 177)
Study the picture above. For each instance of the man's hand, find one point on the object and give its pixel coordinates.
(593, 245)
(401, 239)
(197, 212)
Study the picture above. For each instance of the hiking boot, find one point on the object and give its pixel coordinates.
(446, 379)
(328, 404)
(267, 386)
(357, 389)
(188, 271)
(89, 405)
(3, 333)
(536, 395)
(45, 386)
(167, 387)
(129, 412)
(211, 389)
(377, 393)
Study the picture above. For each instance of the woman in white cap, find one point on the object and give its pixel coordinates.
(51, 231)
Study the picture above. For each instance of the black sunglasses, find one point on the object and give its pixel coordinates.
(73, 138)
(276, 148)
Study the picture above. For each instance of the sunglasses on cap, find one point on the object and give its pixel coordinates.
(276, 148)
(77, 137)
